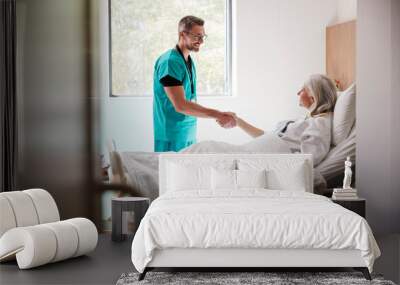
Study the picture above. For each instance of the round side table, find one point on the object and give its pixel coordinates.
(137, 205)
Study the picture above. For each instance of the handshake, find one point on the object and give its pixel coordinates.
(227, 120)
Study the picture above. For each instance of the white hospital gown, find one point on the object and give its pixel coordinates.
(310, 135)
(307, 135)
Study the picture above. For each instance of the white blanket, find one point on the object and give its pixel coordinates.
(250, 219)
(267, 143)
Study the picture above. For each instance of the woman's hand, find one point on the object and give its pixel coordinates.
(227, 120)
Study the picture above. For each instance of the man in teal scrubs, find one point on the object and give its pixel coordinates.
(174, 105)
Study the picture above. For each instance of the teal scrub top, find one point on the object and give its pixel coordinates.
(170, 125)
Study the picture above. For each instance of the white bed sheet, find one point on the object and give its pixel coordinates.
(251, 218)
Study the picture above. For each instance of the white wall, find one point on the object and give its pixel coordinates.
(278, 43)
(347, 10)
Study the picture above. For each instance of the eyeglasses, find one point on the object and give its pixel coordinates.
(196, 37)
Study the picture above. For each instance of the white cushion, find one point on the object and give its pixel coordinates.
(7, 220)
(228, 179)
(344, 114)
(23, 208)
(183, 177)
(45, 205)
(26, 208)
(168, 174)
(223, 179)
(251, 179)
(67, 240)
(293, 179)
(87, 233)
(281, 175)
(333, 164)
(40, 244)
(34, 244)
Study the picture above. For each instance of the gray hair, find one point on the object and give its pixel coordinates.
(324, 92)
(187, 22)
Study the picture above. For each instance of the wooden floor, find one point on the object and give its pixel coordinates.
(103, 266)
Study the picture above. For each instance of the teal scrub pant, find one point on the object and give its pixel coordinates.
(162, 146)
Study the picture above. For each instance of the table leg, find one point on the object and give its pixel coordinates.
(116, 234)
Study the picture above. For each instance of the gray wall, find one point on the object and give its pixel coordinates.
(54, 106)
(378, 105)
(378, 125)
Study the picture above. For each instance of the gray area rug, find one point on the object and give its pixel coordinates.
(225, 278)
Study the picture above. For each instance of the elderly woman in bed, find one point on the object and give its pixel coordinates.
(311, 134)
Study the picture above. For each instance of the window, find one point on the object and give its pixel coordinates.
(142, 30)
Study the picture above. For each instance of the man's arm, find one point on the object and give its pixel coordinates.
(176, 95)
(245, 126)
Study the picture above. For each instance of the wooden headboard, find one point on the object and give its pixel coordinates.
(341, 53)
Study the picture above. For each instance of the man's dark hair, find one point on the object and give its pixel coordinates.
(187, 22)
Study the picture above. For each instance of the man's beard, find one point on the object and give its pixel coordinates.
(191, 47)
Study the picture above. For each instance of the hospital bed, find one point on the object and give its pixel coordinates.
(139, 170)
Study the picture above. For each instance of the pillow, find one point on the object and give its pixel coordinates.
(223, 179)
(292, 179)
(227, 179)
(333, 165)
(280, 174)
(183, 177)
(251, 179)
(344, 114)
